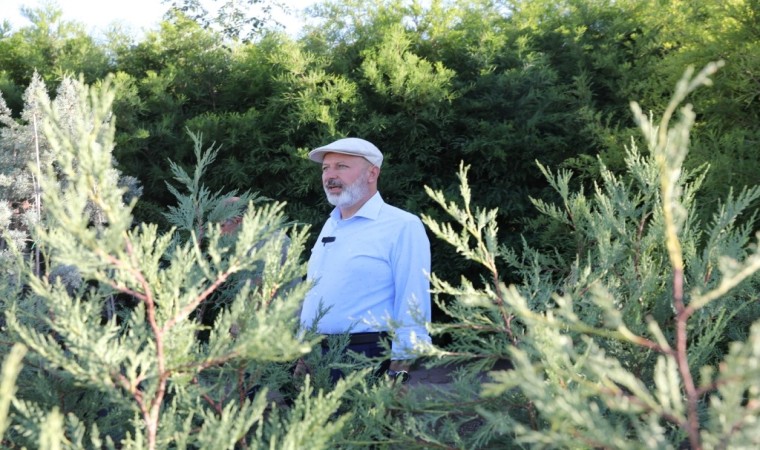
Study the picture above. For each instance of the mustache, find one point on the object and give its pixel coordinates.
(333, 183)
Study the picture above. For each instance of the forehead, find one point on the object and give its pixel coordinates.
(333, 158)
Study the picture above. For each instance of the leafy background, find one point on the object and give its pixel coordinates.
(573, 221)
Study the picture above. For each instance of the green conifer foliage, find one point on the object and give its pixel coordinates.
(627, 341)
(22, 146)
(10, 371)
(117, 362)
(643, 331)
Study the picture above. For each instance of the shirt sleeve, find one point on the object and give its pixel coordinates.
(411, 305)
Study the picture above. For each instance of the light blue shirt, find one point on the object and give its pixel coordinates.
(373, 275)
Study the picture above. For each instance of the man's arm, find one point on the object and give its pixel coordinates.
(411, 308)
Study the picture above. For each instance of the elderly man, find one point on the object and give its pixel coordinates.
(371, 261)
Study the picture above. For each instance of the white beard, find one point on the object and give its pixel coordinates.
(350, 194)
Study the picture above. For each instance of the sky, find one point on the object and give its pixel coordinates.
(138, 15)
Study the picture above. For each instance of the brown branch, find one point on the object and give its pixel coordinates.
(708, 273)
(484, 328)
(241, 385)
(198, 300)
(203, 365)
(216, 406)
(716, 384)
(125, 290)
(123, 381)
(682, 316)
(652, 345)
(507, 318)
(150, 413)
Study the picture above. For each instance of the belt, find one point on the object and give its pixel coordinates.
(360, 338)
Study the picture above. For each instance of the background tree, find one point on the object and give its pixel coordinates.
(51, 47)
(173, 75)
(24, 150)
(498, 85)
(471, 81)
(231, 18)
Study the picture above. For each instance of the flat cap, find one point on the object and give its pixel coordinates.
(349, 146)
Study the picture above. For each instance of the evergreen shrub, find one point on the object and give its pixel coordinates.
(115, 361)
(644, 331)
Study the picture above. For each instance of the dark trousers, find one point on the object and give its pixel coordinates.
(369, 349)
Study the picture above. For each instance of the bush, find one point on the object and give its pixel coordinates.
(641, 331)
(644, 332)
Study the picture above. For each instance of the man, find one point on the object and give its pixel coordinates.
(371, 261)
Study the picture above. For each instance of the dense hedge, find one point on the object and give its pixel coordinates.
(499, 86)
(575, 235)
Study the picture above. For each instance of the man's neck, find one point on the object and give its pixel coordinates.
(349, 211)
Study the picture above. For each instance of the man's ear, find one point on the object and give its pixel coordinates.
(374, 173)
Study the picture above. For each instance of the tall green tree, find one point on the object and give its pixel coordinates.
(173, 75)
(52, 47)
(726, 140)
(25, 149)
(232, 18)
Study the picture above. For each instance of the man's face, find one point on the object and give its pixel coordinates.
(345, 179)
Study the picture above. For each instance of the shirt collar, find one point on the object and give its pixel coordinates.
(369, 210)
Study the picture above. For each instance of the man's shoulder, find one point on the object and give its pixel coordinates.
(397, 214)
(387, 212)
